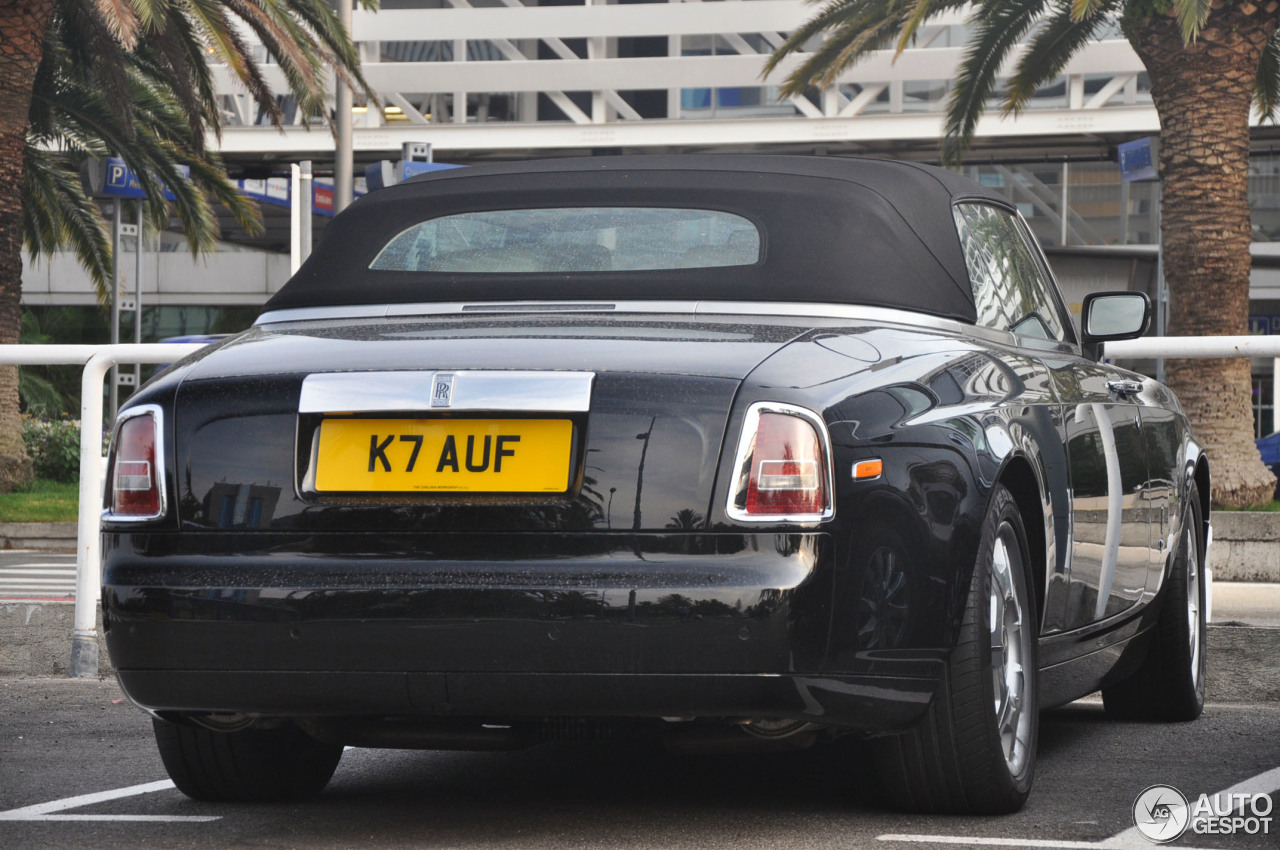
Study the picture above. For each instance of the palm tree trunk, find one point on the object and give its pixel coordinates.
(22, 29)
(1203, 92)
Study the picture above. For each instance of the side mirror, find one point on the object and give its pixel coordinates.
(1115, 315)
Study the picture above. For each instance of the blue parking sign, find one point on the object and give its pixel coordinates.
(120, 181)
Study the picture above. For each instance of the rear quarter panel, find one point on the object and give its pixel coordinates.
(948, 416)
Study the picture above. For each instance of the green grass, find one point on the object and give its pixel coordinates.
(43, 501)
(1269, 508)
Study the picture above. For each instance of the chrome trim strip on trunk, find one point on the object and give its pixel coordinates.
(769, 309)
(376, 392)
(743, 308)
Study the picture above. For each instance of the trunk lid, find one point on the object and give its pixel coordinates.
(647, 450)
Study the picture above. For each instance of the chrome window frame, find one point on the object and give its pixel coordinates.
(1049, 283)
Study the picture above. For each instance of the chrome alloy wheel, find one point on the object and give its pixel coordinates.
(1193, 602)
(1010, 651)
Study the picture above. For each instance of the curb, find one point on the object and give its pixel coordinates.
(38, 535)
(35, 639)
(1244, 543)
(1245, 546)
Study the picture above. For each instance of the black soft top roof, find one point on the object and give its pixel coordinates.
(835, 230)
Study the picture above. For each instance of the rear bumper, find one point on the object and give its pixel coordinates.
(870, 703)
(496, 625)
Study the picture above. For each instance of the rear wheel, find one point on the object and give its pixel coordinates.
(1169, 686)
(974, 750)
(247, 765)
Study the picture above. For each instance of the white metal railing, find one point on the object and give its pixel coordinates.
(1203, 347)
(98, 360)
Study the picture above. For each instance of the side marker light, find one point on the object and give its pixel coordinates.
(865, 470)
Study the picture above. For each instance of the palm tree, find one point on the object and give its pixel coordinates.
(1208, 64)
(134, 78)
(686, 519)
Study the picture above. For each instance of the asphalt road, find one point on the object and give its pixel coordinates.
(62, 738)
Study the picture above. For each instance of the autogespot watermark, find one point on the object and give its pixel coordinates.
(1162, 813)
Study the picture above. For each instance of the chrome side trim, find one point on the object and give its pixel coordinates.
(857, 312)
(374, 392)
(353, 311)
(157, 416)
(735, 509)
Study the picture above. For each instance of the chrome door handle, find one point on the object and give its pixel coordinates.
(1125, 387)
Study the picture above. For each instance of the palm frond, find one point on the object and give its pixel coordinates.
(133, 78)
(121, 19)
(57, 214)
(151, 13)
(1081, 9)
(85, 49)
(1191, 17)
(1266, 87)
(833, 14)
(292, 45)
(914, 17)
(39, 396)
(1053, 45)
(176, 58)
(998, 26)
(852, 29)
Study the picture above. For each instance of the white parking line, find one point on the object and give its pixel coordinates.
(47, 811)
(973, 841)
(1130, 839)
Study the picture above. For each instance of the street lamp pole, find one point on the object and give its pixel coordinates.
(343, 159)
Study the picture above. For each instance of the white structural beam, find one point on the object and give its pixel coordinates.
(653, 133)
(881, 66)
(862, 100)
(1113, 87)
(593, 20)
(662, 72)
(581, 21)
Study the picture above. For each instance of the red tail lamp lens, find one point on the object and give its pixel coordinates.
(135, 485)
(788, 471)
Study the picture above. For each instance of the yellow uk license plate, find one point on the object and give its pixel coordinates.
(466, 455)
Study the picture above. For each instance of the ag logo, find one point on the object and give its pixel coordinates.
(1161, 813)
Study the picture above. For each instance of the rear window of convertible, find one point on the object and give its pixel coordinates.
(578, 239)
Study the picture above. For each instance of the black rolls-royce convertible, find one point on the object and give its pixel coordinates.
(725, 451)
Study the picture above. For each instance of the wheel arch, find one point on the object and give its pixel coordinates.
(1019, 477)
(1203, 481)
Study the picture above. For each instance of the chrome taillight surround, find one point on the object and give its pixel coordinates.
(157, 471)
(736, 508)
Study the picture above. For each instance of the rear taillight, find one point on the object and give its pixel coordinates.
(136, 483)
(783, 466)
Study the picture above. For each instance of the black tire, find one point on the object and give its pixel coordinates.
(968, 755)
(1169, 684)
(249, 765)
